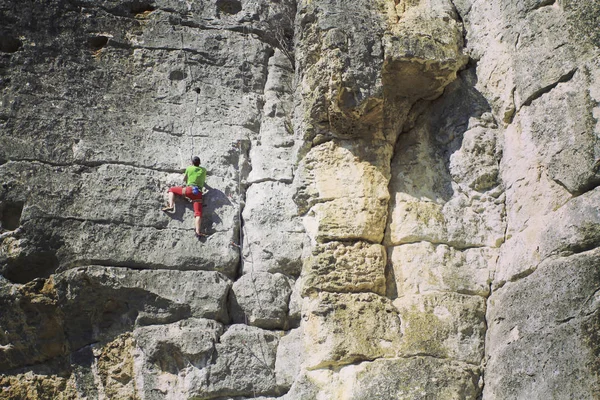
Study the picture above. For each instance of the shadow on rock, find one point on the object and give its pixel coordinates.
(214, 199)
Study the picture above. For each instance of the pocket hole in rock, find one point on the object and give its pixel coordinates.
(139, 7)
(9, 44)
(177, 75)
(97, 42)
(229, 6)
(10, 215)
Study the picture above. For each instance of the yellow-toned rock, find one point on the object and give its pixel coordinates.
(384, 379)
(412, 220)
(424, 268)
(361, 218)
(344, 169)
(115, 367)
(344, 187)
(345, 328)
(423, 47)
(32, 329)
(443, 325)
(340, 267)
(32, 386)
(339, 69)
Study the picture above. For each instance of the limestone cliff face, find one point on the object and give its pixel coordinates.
(401, 200)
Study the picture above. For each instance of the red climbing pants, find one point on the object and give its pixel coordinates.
(195, 198)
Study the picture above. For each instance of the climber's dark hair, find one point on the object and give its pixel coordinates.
(196, 161)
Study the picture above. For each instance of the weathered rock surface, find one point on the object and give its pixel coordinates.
(261, 299)
(447, 326)
(340, 267)
(558, 329)
(437, 199)
(116, 368)
(86, 153)
(100, 303)
(423, 268)
(537, 66)
(423, 47)
(32, 325)
(37, 387)
(197, 358)
(273, 233)
(274, 236)
(241, 349)
(167, 352)
(572, 228)
(390, 379)
(343, 329)
(290, 356)
(343, 186)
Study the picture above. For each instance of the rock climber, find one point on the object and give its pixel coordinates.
(194, 179)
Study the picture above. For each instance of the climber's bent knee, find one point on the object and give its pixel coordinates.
(177, 190)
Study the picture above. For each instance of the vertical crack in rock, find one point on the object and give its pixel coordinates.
(353, 134)
(444, 179)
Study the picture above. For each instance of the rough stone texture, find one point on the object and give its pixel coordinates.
(554, 169)
(339, 91)
(445, 224)
(537, 66)
(422, 268)
(435, 197)
(31, 325)
(572, 228)
(273, 233)
(100, 303)
(261, 299)
(101, 105)
(390, 379)
(37, 387)
(423, 47)
(295, 304)
(290, 356)
(347, 219)
(566, 115)
(63, 233)
(340, 267)
(447, 326)
(116, 368)
(340, 169)
(277, 143)
(343, 186)
(168, 353)
(241, 349)
(346, 328)
(533, 350)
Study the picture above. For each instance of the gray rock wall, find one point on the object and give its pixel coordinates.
(537, 66)
(102, 104)
(401, 199)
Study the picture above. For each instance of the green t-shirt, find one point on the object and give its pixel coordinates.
(195, 176)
